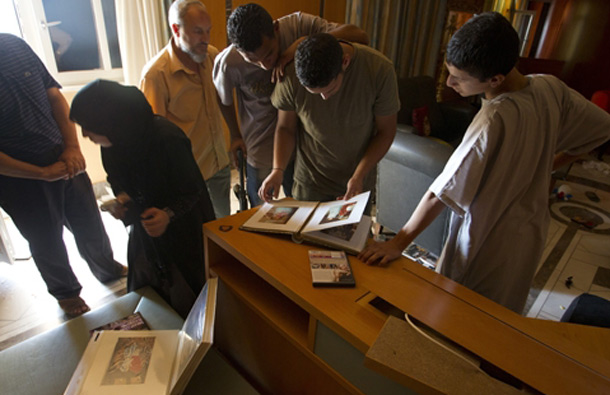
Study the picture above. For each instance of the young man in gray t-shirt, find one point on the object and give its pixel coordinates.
(260, 49)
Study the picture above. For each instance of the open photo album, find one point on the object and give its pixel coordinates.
(338, 224)
(147, 361)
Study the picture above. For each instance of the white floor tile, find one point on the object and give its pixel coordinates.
(582, 274)
(584, 254)
(596, 244)
(544, 294)
(559, 299)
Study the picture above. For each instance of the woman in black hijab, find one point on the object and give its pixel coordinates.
(159, 188)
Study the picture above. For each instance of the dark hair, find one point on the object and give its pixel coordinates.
(318, 60)
(485, 46)
(247, 25)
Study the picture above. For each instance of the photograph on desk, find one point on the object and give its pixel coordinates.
(337, 224)
(330, 269)
(147, 361)
(421, 256)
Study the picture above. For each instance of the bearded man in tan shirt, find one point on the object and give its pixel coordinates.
(178, 85)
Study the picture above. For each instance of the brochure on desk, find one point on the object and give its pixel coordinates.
(339, 223)
(147, 362)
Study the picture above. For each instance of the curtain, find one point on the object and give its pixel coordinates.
(143, 32)
(408, 32)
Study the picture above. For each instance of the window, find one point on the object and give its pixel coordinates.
(8, 18)
(76, 39)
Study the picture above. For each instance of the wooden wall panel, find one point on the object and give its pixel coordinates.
(278, 8)
(216, 9)
(334, 10)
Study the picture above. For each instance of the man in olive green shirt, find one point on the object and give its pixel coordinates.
(346, 98)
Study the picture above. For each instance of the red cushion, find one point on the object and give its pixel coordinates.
(421, 120)
(602, 99)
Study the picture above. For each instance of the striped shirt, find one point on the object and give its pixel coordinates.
(27, 126)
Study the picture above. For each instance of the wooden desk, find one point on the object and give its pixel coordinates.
(272, 309)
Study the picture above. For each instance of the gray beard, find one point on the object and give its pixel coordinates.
(198, 58)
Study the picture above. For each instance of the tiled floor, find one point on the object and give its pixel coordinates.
(576, 259)
(571, 251)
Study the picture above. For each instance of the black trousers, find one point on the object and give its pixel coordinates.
(40, 209)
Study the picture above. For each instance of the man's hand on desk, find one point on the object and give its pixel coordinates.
(377, 253)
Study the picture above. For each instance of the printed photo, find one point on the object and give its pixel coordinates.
(279, 215)
(131, 322)
(338, 213)
(129, 362)
(331, 273)
(344, 232)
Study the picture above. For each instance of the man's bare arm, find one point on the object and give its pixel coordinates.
(237, 142)
(377, 148)
(350, 33)
(427, 210)
(12, 167)
(72, 155)
(283, 146)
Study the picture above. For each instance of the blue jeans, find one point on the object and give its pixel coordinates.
(255, 177)
(219, 187)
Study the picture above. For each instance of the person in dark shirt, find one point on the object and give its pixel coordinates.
(160, 191)
(43, 183)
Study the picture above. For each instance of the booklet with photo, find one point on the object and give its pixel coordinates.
(132, 322)
(147, 361)
(337, 224)
(330, 269)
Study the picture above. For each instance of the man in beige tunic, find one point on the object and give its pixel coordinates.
(496, 182)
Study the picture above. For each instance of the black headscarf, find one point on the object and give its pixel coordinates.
(110, 109)
(123, 115)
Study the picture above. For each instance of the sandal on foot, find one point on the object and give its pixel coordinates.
(73, 307)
